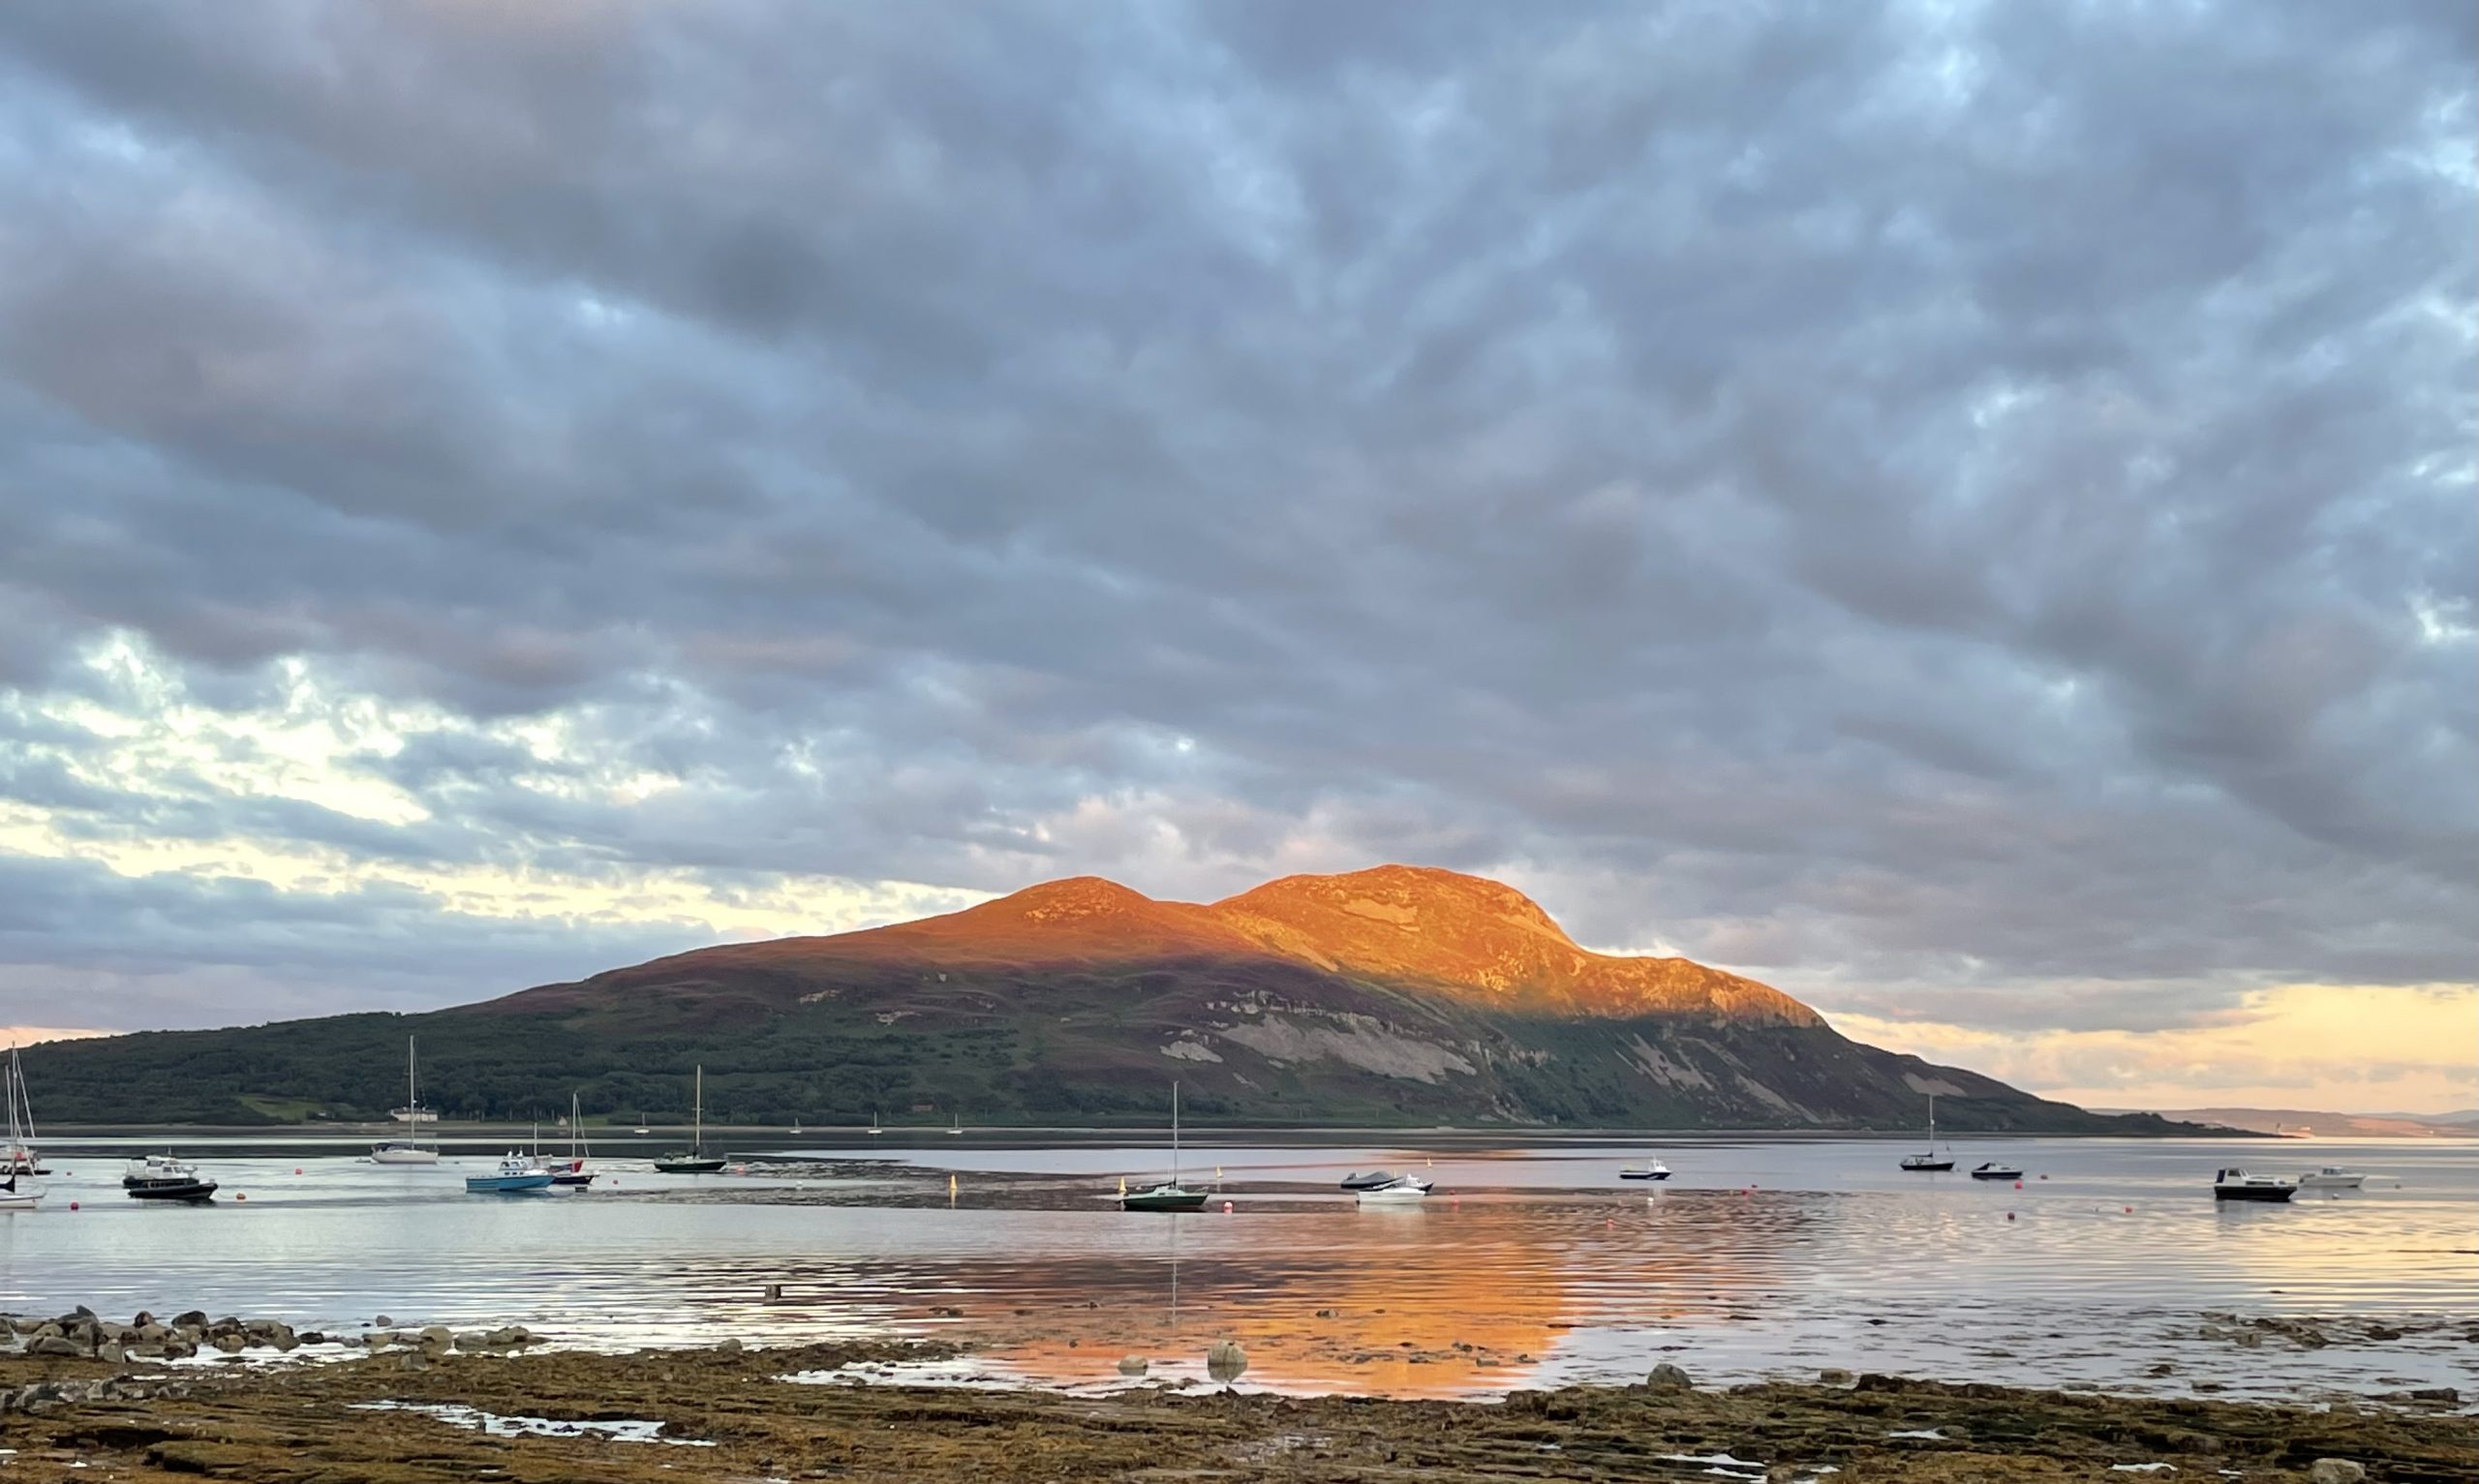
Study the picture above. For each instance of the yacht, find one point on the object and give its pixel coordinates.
(19, 1158)
(694, 1161)
(1168, 1194)
(406, 1151)
(1929, 1160)
(2238, 1185)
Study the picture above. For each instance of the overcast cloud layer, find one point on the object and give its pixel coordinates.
(1964, 511)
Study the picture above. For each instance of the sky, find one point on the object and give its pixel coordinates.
(1964, 511)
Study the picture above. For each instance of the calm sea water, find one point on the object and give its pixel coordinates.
(1532, 1266)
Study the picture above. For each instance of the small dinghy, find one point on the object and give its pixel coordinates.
(1992, 1170)
(1656, 1170)
(515, 1173)
(1403, 1190)
(2238, 1185)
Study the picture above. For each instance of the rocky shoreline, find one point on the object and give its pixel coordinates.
(84, 1397)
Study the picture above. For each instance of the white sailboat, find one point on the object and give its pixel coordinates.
(21, 1135)
(573, 1173)
(407, 1151)
(20, 1158)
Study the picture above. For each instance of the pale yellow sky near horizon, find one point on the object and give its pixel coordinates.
(2342, 1049)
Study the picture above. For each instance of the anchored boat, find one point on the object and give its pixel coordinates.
(1170, 1195)
(20, 1158)
(515, 1173)
(408, 1151)
(1992, 1170)
(1656, 1170)
(1400, 1191)
(2332, 1177)
(696, 1162)
(2238, 1185)
(1929, 1161)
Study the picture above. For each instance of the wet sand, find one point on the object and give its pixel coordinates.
(728, 1414)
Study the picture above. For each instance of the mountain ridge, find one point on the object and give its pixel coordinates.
(1397, 995)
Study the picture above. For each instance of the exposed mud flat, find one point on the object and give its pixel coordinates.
(577, 1416)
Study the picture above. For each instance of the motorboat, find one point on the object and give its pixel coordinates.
(187, 1189)
(1375, 1178)
(156, 1169)
(1403, 1191)
(12, 1199)
(515, 1172)
(1656, 1170)
(2238, 1185)
(695, 1160)
(1929, 1161)
(2332, 1177)
(1992, 1170)
(1167, 1194)
(408, 1151)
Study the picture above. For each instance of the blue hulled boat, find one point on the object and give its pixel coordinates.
(516, 1173)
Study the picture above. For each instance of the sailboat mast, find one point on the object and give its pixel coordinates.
(697, 1111)
(1175, 1132)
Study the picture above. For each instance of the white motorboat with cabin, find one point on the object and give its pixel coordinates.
(2332, 1177)
(407, 1151)
(1403, 1190)
(1655, 1170)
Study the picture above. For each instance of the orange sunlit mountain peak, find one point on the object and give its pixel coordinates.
(1436, 932)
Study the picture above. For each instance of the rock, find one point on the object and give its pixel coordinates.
(112, 1353)
(54, 1345)
(730, 1347)
(193, 1318)
(413, 1361)
(383, 1322)
(229, 1344)
(435, 1336)
(2445, 1394)
(1835, 1376)
(2382, 1332)
(140, 1319)
(473, 1340)
(1133, 1365)
(1668, 1378)
(1225, 1361)
(2335, 1471)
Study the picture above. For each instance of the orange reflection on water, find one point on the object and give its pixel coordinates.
(1453, 1300)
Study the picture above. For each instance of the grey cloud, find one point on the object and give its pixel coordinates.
(1930, 505)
